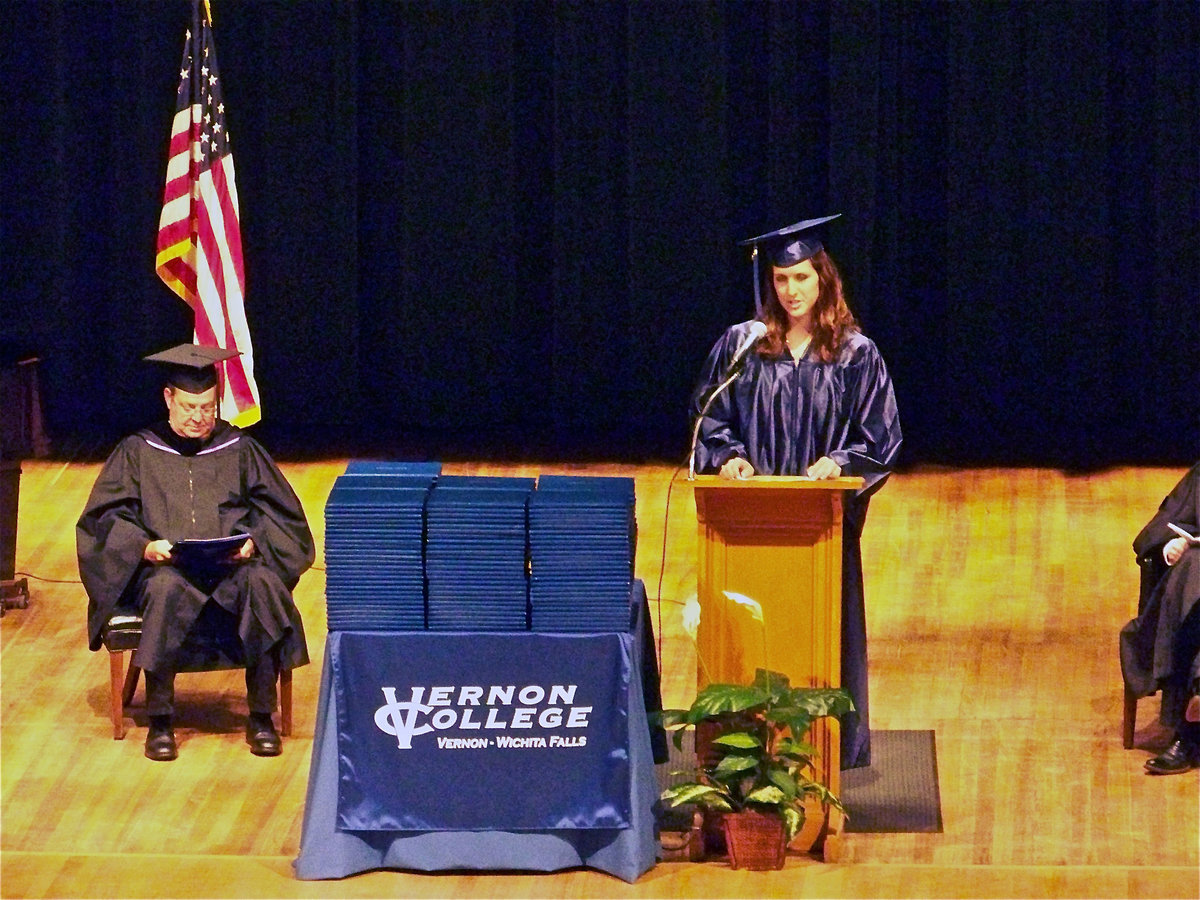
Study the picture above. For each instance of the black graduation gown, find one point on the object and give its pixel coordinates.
(783, 416)
(1160, 649)
(156, 485)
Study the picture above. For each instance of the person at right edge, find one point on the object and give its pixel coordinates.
(814, 399)
(1160, 649)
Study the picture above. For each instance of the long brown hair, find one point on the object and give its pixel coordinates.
(832, 318)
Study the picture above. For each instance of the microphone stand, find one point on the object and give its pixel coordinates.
(700, 418)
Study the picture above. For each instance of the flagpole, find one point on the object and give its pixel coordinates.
(200, 209)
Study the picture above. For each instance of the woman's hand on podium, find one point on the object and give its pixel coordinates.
(824, 469)
(737, 468)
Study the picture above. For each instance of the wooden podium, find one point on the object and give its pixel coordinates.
(777, 540)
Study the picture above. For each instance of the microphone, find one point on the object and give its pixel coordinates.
(756, 333)
(753, 336)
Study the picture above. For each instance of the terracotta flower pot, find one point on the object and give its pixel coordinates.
(755, 840)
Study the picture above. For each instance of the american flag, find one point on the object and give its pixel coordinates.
(199, 237)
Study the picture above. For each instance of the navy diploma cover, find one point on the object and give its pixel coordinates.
(470, 731)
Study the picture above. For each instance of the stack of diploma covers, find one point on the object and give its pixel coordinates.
(408, 549)
(475, 553)
(582, 536)
(374, 533)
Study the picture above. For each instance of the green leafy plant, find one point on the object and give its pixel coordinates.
(759, 759)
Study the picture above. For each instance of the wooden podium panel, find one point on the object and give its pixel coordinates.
(778, 541)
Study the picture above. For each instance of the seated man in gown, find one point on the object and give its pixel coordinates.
(195, 477)
(1160, 649)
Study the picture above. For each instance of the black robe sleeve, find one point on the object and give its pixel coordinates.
(110, 537)
(274, 517)
(1182, 507)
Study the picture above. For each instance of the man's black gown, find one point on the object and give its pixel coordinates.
(1160, 649)
(157, 485)
(782, 416)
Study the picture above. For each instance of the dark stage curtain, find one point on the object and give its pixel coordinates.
(509, 228)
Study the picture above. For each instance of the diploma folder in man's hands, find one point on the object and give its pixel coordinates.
(207, 555)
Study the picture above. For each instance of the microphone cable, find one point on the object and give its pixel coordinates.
(662, 565)
(757, 330)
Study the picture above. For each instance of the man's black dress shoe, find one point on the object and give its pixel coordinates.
(1181, 756)
(160, 743)
(262, 737)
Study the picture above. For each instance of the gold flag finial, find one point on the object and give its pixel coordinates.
(208, 12)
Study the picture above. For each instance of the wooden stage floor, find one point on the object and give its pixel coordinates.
(994, 598)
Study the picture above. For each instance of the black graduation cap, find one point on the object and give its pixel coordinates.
(786, 246)
(190, 367)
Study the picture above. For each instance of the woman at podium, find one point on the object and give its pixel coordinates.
(800, 390)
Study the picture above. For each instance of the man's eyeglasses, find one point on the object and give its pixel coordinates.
(207, 410)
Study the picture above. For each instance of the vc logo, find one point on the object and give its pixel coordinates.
(400, 719)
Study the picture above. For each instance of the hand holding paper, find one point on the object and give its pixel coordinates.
(1192, 539)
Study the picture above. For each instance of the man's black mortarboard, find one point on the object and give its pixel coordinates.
(190, 367)
(786, 246)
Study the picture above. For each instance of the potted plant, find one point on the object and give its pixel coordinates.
(754, 769)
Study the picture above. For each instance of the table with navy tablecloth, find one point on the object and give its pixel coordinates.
(443, 750)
